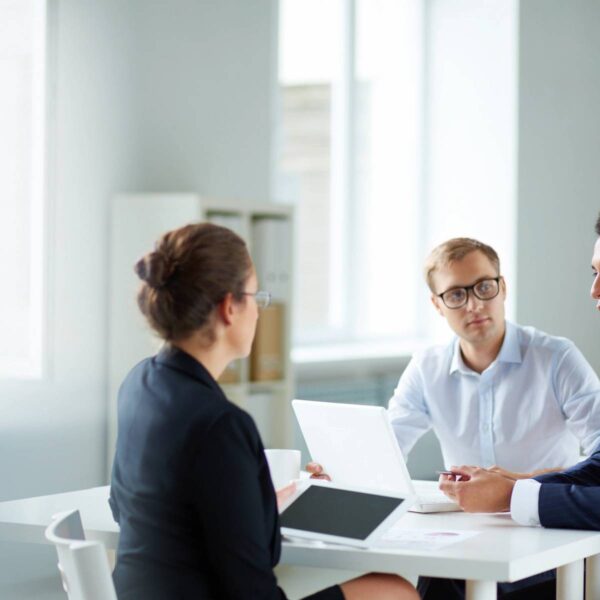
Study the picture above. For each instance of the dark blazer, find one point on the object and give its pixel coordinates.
(190, 489)
(571, 499)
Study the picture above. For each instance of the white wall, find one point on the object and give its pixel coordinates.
(145, 99)
(203, 89)
(559, 174)
(52, 432)
(148, 95)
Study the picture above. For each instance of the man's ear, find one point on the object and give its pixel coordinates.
(436, 304)
(226, 309)
(503, 286)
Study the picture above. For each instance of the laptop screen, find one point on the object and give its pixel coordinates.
(348, 439)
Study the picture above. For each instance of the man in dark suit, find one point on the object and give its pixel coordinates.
(568, 500)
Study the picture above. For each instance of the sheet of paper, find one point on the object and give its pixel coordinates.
(423, 539)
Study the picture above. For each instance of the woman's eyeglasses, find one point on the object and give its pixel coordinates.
(262, 298)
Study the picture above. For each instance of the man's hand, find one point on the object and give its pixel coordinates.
(478, 490)
(316, 471)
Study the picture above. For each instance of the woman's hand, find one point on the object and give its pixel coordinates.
(284, 493)
(316, 471)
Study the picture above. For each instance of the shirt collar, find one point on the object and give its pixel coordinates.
(510, 351)
(457, 363)
(179, 360)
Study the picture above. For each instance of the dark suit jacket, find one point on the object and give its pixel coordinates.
(571, 499)
(190, 489)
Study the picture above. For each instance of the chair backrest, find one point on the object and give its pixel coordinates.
(83, 565)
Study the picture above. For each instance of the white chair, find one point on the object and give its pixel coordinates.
(83, 565)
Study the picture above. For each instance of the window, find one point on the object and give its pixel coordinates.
(22, 83)
(308, 74)
(350, 159)
(398, 129)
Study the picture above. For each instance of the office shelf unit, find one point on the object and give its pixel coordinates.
(137, 221)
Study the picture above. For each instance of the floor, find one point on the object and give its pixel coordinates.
(28, 572)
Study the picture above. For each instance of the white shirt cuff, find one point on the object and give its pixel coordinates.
(525, 501)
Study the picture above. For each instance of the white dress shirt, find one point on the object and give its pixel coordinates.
(534, 407)
(524, 502)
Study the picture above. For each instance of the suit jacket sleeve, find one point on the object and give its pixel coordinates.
(571, 499)
(237, 511)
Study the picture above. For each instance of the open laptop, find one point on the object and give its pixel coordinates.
(357, 446)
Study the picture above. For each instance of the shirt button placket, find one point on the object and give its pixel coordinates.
(486, 430)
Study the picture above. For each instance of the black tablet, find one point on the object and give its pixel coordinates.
(321, 510)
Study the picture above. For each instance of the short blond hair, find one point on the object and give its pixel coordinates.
(456, 249)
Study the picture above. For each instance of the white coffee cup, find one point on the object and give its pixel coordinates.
(284, 466)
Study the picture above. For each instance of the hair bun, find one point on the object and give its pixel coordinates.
(155, 269)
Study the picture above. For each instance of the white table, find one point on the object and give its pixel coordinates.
(502, 551)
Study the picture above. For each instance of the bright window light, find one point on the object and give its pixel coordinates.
(351, 119)
(398, 131)
(22, 100)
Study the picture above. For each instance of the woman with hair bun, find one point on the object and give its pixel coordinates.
(191, 488)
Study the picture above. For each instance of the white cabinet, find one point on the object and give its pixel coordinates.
(261, 384)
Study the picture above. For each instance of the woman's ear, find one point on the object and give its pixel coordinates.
(226, 309)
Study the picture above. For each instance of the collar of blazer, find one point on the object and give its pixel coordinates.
(179, 360)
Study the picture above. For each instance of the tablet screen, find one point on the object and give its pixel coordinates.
(344, 513)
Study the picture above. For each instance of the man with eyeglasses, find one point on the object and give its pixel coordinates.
(567, 500)
(509, 398)
(513, 399)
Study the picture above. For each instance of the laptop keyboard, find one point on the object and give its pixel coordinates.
(429, 493)
(434, 499)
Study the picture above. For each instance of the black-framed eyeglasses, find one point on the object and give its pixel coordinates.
(263, 299)
(484, 289)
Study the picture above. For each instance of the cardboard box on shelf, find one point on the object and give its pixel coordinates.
(266, 359)
(232, 373)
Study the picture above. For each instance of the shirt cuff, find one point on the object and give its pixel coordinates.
(525, 501)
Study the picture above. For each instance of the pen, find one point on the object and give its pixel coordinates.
(457, 475)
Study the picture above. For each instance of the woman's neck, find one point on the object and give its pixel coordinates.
(213, 357)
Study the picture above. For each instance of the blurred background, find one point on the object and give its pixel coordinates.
(382, 127)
